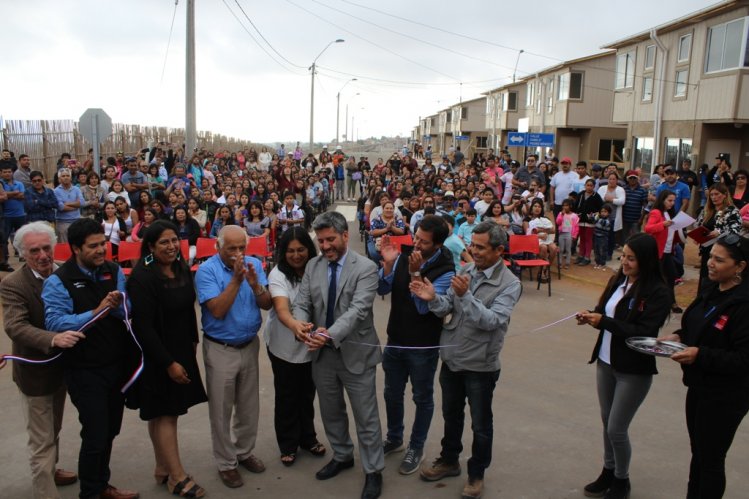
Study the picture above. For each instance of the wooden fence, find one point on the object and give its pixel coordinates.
(45, 140)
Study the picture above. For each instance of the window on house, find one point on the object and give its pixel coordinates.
(538, 106)
(625, 70)
(511, 103)
(550, 97)
(529, 95)
(433, 121)
(464, 113)
(680, 83)
(611, 150)
(647, 89)
(449, 117)
(685, 45)
(676, 151)
(724, 46)
(649, 57)
(571, 85)
(482, 142)
(643, 153)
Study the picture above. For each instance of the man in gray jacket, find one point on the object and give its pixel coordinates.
(480, 300)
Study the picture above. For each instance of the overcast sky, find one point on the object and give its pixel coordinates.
(61, 57)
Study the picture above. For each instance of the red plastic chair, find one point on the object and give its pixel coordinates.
(529, 245)
(62, 252)
(399, 241)
(204, 248)
(184, 249)
(258, 247)
(128, 251)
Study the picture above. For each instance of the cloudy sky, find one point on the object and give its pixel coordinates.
(410, 58)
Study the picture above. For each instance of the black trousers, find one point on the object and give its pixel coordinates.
(294, 412)
(712, 420)
(96, 395)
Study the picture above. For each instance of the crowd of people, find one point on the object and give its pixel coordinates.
(452, 299)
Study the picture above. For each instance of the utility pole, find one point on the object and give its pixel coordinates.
(190, 121)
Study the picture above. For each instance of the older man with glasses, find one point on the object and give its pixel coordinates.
(40, 200)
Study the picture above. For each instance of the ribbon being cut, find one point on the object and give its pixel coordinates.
(320, 332)
(102, 313)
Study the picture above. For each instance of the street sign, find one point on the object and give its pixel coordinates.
(540, 140)
(461, 137)
(95, 125)
(427, 137)
(517, 139)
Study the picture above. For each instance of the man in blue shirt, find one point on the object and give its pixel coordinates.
(636, 199)
(412, 325)
(134, 181)
(69, 202)
(679, 188)
(15, 213)
(231, 291)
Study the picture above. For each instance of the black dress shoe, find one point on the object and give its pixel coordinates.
(333, 468)
(372, 486)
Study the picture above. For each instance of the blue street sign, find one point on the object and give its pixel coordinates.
(540, 140)
(461, 137)
(427, 137)
(516, 139)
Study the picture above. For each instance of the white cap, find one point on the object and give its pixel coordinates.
(324, 147)
(337, 147)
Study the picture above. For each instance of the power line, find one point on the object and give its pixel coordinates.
(169, 42)
(265, 39)
(371, 42)
(410, 83)
(255, 40)
(405, 35)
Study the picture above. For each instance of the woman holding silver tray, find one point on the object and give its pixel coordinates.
(715, 328)
(636, 302)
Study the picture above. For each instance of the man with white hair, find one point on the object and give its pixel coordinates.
(231, 291)
(41, 386)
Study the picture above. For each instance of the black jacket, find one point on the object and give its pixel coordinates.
(644, 318)
(718, 323)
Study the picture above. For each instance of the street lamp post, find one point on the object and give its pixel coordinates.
(338, 111)
(312, 94)
(352, 128)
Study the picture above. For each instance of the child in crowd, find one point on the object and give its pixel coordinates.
(466, 229)
(455, 244)
(601, 236)
(567, 227)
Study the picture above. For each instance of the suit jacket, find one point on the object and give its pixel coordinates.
(23, 314)
(354, 322)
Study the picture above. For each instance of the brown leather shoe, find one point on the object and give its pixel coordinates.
(231, 478)
(473, 488)
(63, 477)
(253, 464)
(115, 493)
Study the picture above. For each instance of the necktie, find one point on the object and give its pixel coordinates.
(333, 284)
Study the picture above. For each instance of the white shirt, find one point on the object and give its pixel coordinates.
(604, 353)
(563, 184)
(280, 340)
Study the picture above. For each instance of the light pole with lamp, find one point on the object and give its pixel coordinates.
(312, 94)
(338, 111)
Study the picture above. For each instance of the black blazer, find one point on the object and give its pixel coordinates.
(644, 318)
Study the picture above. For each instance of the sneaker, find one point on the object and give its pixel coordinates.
(389, 447)
(473, 488)
(411, 461)
(439, 469)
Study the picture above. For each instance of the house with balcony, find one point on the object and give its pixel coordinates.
(467, 127)
(682, 88)
(503, 112)
(574, 100)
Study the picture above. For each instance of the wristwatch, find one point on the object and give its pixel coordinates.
(415, 274)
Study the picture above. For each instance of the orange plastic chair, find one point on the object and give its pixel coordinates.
(128, 251)
(62, 252)
(529, 244)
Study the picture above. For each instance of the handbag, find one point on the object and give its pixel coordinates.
(356, 176)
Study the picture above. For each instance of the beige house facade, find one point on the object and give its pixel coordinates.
(682, 88)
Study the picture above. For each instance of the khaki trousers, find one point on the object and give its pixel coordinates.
(43, 416)
(231, 377)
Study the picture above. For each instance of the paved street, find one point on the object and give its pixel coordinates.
(547, 431)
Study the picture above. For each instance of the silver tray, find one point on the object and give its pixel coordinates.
(652, 346)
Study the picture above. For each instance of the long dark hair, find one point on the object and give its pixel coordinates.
(293, 234)
(659, 203)
(152, 234)
(649, 275)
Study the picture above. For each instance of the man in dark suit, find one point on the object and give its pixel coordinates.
(41, 387)
(336, 295)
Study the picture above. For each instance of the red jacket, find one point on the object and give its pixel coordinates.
(655, 228)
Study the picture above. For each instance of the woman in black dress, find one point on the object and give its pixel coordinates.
(168, 333)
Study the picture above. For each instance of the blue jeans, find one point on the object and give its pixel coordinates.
(10, 226)
(478, 388)
(400, 365)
